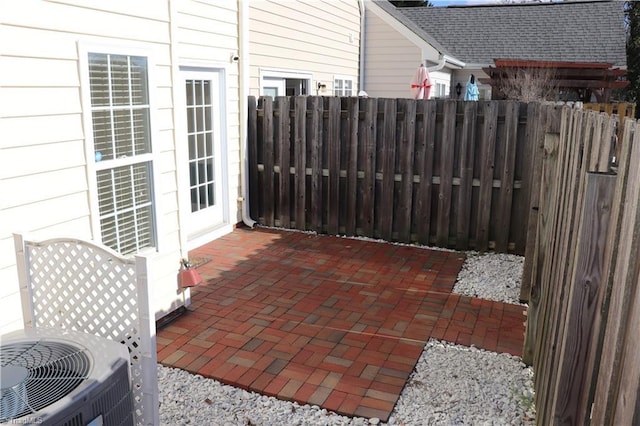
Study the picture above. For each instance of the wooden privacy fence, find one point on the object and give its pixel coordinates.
(621, 109)
(448, 173)
(582, 270)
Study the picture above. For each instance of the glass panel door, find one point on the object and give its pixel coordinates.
(204, 144)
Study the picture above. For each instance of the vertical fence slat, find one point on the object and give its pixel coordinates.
(487, 162)
(445, 188)
(505, 198)
(572, 201)
(369, 108)
(536, 314)
(333, 164)
(554, 271)
(351, 134)
(406, 148)
(467, 156)
(314, 133)
(283, 143)
(425, 141)
(623, 280)
(252, 156)
(538, 232)
(385, 218)
(267, 161)
(300, 151)
(531, 188)
(627, 410)
(585, 285)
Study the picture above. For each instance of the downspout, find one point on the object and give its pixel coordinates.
(362, 38)
(440, 65)
(243, 80)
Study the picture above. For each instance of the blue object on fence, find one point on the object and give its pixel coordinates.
(472, 92)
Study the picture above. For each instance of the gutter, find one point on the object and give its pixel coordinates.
(243, 80)
(446, 59)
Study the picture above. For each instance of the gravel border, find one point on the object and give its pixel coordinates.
(451, 385)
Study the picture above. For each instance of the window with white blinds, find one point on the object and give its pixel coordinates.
(122, 145)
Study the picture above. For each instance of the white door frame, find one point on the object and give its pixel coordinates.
(205, 225)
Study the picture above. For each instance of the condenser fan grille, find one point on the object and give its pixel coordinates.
(37, 374)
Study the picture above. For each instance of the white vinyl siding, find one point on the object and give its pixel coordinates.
(47, 126)
(390, 60)
(321, 38)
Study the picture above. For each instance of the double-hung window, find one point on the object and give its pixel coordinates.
(343, 86)
(120, 116)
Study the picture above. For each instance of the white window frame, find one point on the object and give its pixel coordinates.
(286, 74)
(84, 49)
(344, 79)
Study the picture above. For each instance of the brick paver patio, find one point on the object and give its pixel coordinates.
(324, 320)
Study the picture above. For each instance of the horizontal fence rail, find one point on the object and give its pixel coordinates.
(448, 173)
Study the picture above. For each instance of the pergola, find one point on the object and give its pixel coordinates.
(581, 78)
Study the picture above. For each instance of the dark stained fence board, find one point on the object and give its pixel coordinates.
(467, 155)
(406, 144)
(282, 140)
(425, 135)
(507, 177)
(445, 187)
(367, 146)
(268, 162)
(314, 135)
(300, 151)
(487, 163)
(525, 157)
(351, 133)
(252, 156)
(333, 164)
(385, 218)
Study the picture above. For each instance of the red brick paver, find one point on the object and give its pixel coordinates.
(325, 320)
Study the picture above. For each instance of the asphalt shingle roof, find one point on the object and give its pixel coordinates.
(569, 31)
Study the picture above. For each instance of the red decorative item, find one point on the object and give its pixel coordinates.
(189, 276)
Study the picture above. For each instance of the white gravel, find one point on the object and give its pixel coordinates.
(451, 385)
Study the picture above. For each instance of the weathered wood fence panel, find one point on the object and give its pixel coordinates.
(448, 172)
(582, 272)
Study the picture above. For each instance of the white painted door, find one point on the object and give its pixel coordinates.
(204, 105)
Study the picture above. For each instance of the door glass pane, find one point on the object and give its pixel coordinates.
(200, 127)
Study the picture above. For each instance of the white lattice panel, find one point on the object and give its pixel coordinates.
(78, 285)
